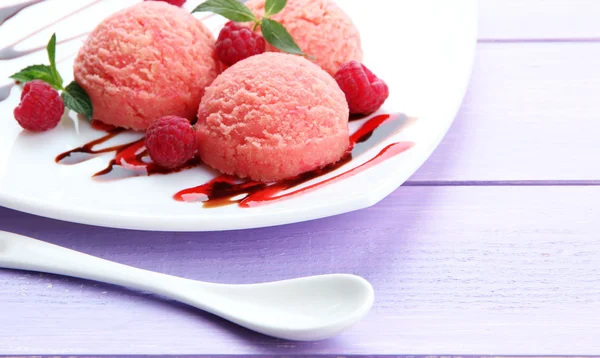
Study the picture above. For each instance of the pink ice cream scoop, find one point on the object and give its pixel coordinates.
(272, 116)
(320, 28)
(147, 61)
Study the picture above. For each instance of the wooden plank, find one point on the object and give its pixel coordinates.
(539, 20)
(531, 113)
(456, 270)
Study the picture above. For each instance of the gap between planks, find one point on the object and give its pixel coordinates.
(504, 183)
(538, 40)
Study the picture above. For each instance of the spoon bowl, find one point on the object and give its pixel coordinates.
(307, 308)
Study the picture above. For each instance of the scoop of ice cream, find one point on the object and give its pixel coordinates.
(147, 61)
(320, 28)
(272, 116)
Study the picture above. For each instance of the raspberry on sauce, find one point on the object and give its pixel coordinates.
(171, 141)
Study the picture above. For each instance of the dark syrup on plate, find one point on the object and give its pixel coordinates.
(225, 190)
(131, 159)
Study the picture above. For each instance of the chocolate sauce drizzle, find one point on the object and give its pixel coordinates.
(357, 117)
(89, 151)
(131, 159)
(226, 190)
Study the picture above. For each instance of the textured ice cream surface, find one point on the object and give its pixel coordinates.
(144, 62)
(272, 116)
(320, 28)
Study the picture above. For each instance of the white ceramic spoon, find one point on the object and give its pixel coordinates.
(309, 308)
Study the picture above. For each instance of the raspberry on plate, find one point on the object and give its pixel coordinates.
(41, 107)
(364, 91)
(236, 43)
(171, 141)
(172, 2)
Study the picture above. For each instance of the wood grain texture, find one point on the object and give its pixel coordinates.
(524, 20)
(531, 113)
(467, 270)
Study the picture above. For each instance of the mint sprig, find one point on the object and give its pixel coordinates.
(73, 95)
(46, 73)
(37, 72)
(273, 32)
(78, 100)
(231, 9)
(272, 7)
(51, 49)
(276, 34)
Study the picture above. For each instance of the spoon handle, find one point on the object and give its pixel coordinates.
(24, 253)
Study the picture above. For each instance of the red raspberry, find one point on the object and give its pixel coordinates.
(171, 141)
(41, 107)
(365, 92)
(172, 2)
(236, 43)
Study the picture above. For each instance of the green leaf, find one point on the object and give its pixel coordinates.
(51, 49)
(231, 9)
(275, 34)
(48, 74)
(272, 7)
(37, 72)
(78, 100)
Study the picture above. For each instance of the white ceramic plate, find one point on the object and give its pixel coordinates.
(423, 49)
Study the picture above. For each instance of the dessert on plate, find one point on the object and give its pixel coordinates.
(272, 116)
(147, 61)
(320, 28)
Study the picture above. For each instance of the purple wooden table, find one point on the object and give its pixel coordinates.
(491, 248)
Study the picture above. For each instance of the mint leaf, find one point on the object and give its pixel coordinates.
(272, 7)
(48, 74)
(230, 9)
(78, 100)
(37, 72)
(51, 49)
(275, 34)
